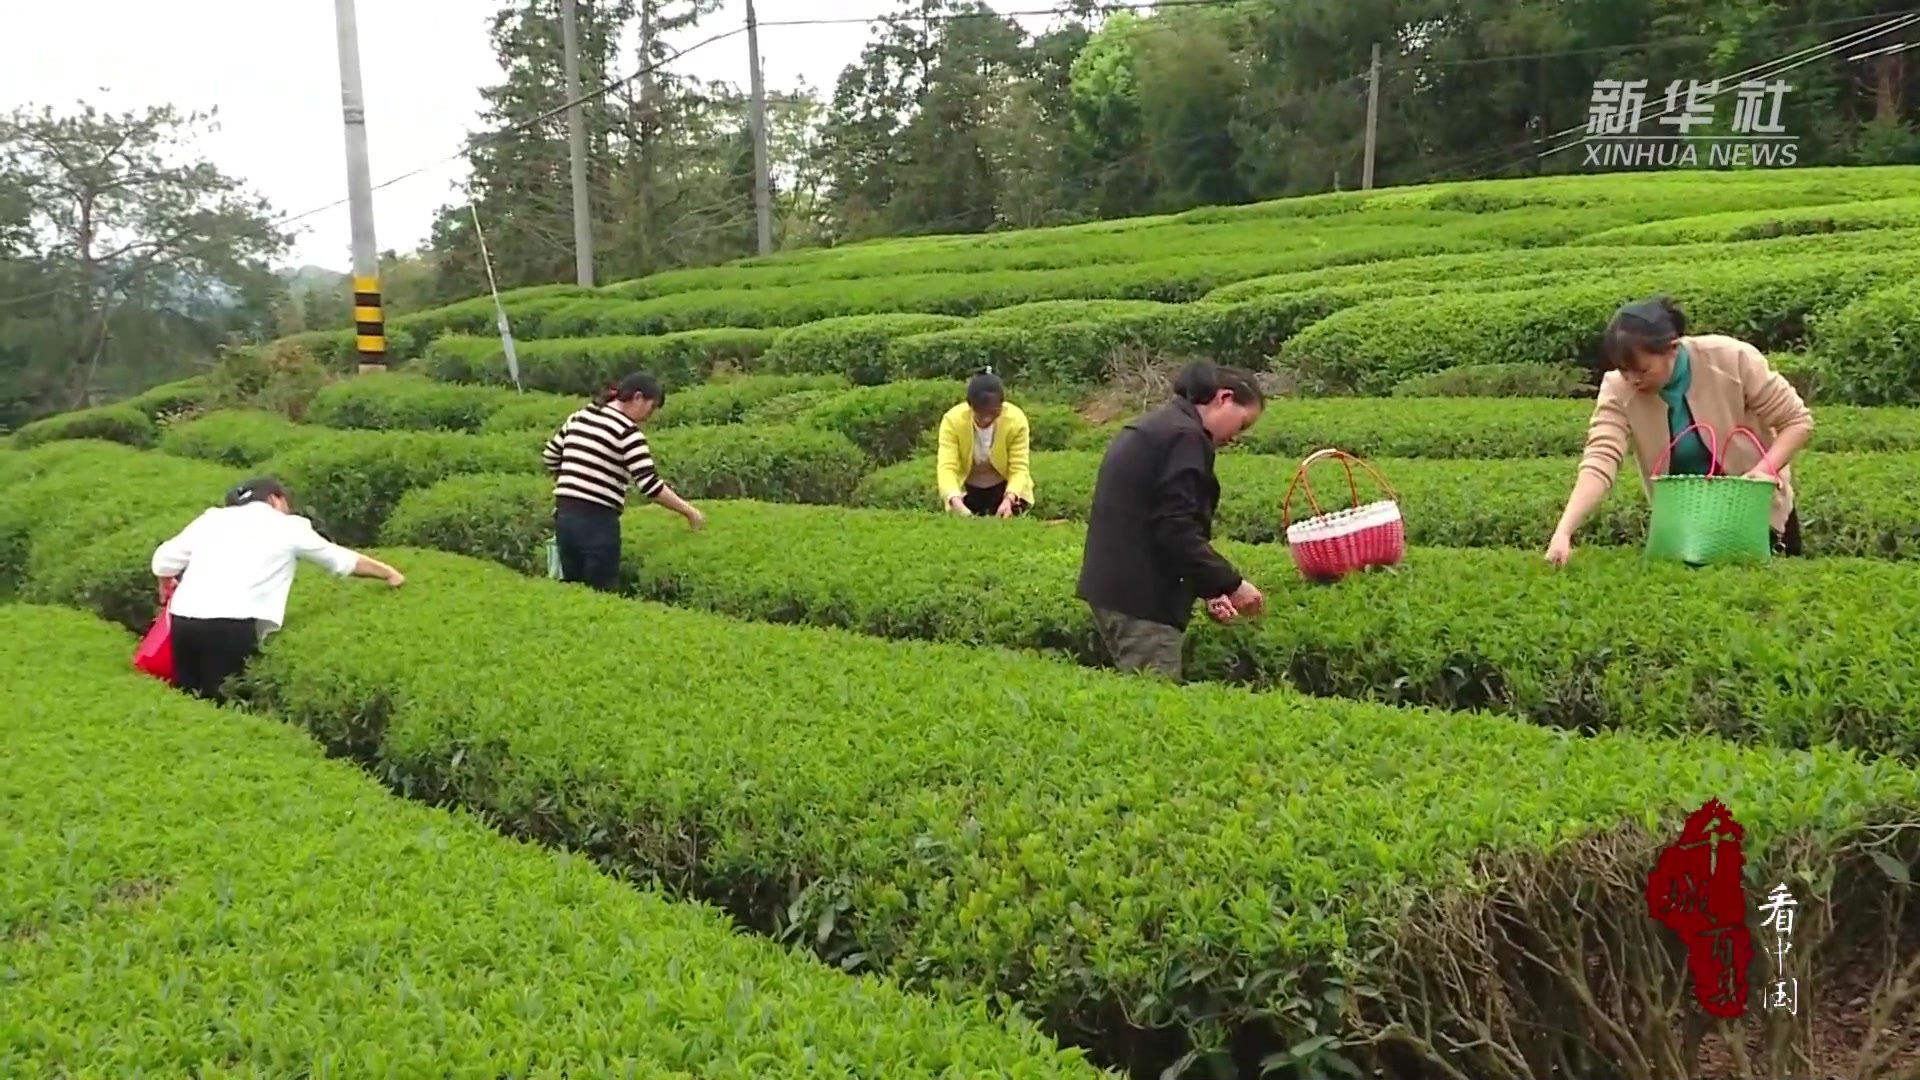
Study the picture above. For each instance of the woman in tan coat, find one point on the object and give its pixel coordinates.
(1664, 381)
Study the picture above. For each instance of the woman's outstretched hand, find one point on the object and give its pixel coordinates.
(1559, 549)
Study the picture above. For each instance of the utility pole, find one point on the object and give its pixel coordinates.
(369, 325)
(577, 144)
(1373, 117)
(648, 131)
(762, 183)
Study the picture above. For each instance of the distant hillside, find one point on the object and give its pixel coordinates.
(316, 278)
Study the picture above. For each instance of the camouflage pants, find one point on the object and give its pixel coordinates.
(1136, 645)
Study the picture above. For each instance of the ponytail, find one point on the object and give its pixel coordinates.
(637, 385)
(1202, 380)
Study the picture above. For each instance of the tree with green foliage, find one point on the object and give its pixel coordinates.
(1131, 114)
(670, 159)
(124, 257)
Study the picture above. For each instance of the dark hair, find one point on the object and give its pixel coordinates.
(640, 384)
(985, 390)
(1650, 325)
(259, 489)
(1199, 381)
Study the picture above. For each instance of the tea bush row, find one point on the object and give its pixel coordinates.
(1872, 348)
(1265, 226)
(1734, 225)
(135, 422)
(401, 402)
(894, 421)
(1071, 340)
(1557, 260)
(408, 335)
(1851, 504)
(46, 522)
(1802, 662)
(1276, 870)
(191, 891)
(1119, 243)
(1176, 279)
(820, 455)
(1521, 227)
(884, 419)
(889, 421)
(888, 346)
(1805, 661)
(1063, 343)
(1153, 265)
(1370, 347)
(999, 825)
(587, 363)
(1492, 428)
(353, 479)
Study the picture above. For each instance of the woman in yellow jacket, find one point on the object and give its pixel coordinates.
(1664, 381)
(985, 445)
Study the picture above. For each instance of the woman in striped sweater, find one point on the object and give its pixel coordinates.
(597, 453)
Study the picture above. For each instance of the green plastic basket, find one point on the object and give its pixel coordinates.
(1710, 520)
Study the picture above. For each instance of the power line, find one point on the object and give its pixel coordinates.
(1423, 64)
(1822, 51)
(1799, 58)
(964, 16)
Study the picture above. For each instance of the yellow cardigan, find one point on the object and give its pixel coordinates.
(1009, 455)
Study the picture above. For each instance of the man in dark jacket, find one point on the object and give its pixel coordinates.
(1149, 551)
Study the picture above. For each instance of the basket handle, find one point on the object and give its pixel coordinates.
(1714, 465)
(1757, 445)
(1353, 489)
(1300, 477)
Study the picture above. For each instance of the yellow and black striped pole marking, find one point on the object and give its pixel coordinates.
(369, 325)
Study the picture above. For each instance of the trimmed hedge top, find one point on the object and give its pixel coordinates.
(1858, 504)
(1811, 658)
(1115, 854)
(1521, 271)
(192, 890)
(1003, 824)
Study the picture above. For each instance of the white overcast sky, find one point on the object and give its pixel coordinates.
(273, 72)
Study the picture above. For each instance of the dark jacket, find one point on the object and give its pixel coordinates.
(1148, 551)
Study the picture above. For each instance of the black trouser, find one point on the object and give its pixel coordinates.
(1787, 541)
(208, 652)
(985, 501)
(588, 537)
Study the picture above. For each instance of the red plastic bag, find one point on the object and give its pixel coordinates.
(155, 654)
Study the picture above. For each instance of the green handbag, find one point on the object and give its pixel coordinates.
(1710, 520)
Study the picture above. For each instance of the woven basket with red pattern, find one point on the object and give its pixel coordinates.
(1331, 545)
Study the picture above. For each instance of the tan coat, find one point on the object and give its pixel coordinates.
(1732, 386)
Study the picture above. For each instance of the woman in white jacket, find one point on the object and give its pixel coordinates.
(228, 574)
